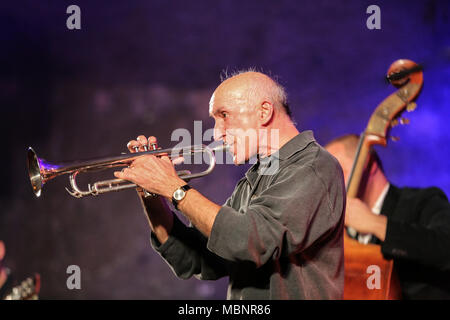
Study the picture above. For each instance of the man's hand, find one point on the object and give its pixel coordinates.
(359, 216)
(158, 175)
(159, 216)
(154, 174)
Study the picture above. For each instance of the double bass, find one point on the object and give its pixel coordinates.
(359, 259)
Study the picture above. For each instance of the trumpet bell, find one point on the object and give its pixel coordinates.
(34, 171)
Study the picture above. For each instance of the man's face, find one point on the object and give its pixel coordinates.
(2, 271)
(236, 123)
(2, 250)
(338, 151)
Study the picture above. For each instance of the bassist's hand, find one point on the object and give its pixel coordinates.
(359, 216)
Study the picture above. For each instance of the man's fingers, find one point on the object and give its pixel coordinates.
(144, 159)
(165, 157)
(125, 174)
(174, 161)
(152, 143)
(118, 174)
(177, 161)
(143, 143)
(133, 146)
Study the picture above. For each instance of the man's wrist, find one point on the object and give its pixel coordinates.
(380, 225)
(173, 187)
(180, 195)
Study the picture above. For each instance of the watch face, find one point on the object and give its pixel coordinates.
(179, 194)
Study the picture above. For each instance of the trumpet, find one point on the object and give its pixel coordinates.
(40, 171)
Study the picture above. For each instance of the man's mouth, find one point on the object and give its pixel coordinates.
(228, 146)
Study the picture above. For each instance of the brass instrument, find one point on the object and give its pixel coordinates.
(41, 171)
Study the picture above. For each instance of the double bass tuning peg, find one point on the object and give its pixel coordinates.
(396, 122)
(411, 106)
(404, 121)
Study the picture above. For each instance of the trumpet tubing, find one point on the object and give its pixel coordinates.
(41, 171)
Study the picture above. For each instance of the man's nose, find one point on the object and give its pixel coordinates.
(219, 132)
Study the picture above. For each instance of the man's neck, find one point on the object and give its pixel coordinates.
(282, 135)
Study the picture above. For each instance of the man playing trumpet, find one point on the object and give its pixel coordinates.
(279, 235)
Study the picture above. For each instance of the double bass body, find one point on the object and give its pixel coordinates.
(368, 275)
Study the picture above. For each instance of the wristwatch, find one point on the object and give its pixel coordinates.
(179, 195)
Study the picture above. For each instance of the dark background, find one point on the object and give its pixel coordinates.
(150, 67)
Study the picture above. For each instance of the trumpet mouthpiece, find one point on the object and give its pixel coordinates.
(222, 147)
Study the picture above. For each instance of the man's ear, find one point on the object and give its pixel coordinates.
(265, 113)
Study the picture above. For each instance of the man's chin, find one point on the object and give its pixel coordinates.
(240, 161)
(237, 161)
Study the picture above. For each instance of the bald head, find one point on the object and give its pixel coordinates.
(344, 149)
(347, 143)
(253, 88)
(245, 108)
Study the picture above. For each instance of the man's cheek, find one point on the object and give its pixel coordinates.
(238, 158)
(240, 152)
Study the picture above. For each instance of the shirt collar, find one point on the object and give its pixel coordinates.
(379, 203)
(296, 144)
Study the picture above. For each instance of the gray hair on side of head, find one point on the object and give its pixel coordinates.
(280, 93)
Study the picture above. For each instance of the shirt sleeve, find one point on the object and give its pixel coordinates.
(294, 212)
(186, 253)
(426, 239)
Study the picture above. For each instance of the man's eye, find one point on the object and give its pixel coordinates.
(224, 115)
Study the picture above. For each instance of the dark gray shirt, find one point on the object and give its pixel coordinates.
(279, 235)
